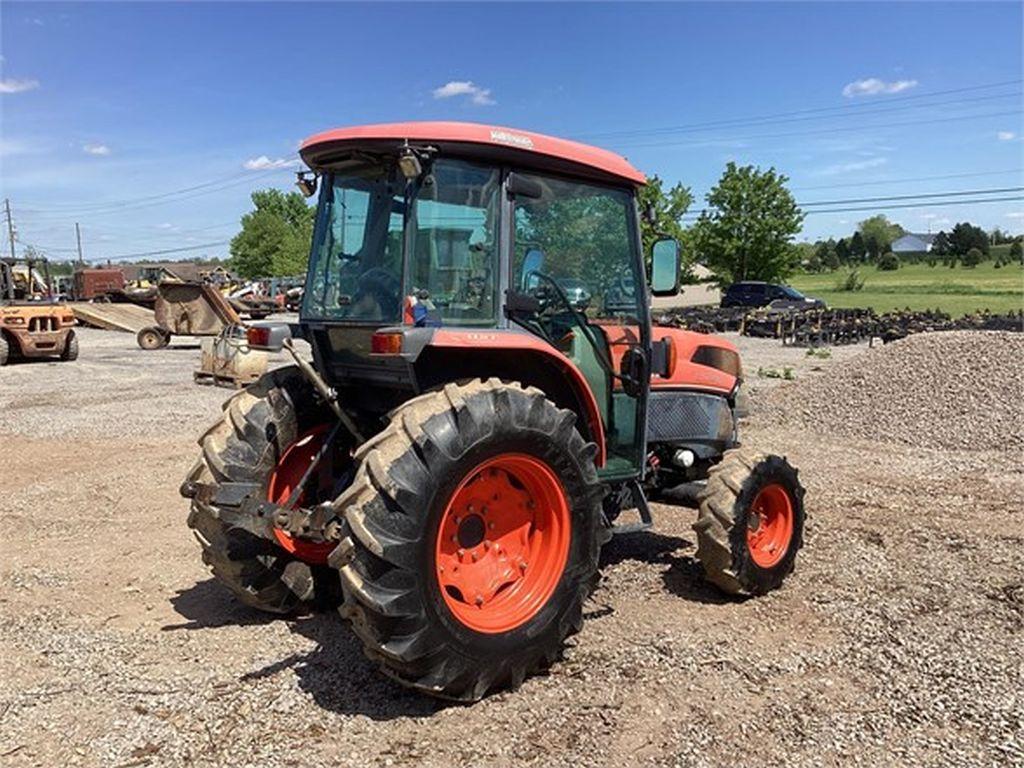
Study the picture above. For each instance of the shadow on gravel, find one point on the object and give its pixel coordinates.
(207, 605)
(684, 576)
(335, 673)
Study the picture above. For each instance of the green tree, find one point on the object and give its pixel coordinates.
(857, 248)
(940, 245)
(275, 237)
(966, 236)
(668, 206)
(843, 250)
(878, 234)
(1017, 251)
(972, 258)
(747, 234)
(889, 262)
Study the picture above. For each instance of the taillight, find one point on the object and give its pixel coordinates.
(258, 337)
(386, 343)
(14, 320)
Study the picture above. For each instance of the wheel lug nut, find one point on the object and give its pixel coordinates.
(461, 553)
(479, 600)
(491, 526)
(487, 544)
(522, 565)
(474, 556)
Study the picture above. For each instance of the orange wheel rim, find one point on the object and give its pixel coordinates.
(502, 543)
(770, 525)
(286, 475)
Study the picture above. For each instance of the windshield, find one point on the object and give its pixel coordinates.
(370, 216)
(791, 293)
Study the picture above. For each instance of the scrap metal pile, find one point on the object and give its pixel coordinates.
(830, 327)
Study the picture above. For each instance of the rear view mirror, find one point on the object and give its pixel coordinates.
(523, 186)
(665, 268)
(533, 262)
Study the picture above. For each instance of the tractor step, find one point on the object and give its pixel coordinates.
(640, 501)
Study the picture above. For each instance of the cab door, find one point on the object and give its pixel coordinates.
(576, 250)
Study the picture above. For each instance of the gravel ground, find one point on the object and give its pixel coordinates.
(957, 390)
(897, 641)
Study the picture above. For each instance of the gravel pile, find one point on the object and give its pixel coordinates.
(961, 389)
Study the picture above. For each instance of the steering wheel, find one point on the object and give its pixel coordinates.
(581, 321)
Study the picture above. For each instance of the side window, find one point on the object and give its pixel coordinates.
(757, 291)
(580, 236)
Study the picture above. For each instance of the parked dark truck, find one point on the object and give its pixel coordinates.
(466, 436)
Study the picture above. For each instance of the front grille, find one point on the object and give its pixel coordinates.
(42, 324)
(684, 416)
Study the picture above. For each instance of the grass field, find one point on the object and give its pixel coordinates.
(917, 286)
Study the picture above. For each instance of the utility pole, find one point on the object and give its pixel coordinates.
(10, 225)
(78, 237)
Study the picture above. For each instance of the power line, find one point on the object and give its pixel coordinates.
(1017, 171)
(836, 129)
(962, 196)
(840, 108)
(917, 205)
(166, 251)
(742, 123)
(139, 204)
(999, 190)
(229, 180)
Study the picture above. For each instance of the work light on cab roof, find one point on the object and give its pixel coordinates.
(486, 404)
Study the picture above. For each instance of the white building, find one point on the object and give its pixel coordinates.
(913, 243)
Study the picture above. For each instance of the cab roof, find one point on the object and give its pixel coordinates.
(491, 142)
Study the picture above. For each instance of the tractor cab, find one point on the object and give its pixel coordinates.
(440, 236)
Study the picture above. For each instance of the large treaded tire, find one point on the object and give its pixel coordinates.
(722, 522)
(406, 476)
(258, 426)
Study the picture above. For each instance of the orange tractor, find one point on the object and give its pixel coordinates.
(32, 325)
(486, 396)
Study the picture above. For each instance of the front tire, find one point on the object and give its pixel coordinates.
(751, 522)
(5, 350)
(484, 477)
(70, 351)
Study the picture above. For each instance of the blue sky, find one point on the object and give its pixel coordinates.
(108, 107)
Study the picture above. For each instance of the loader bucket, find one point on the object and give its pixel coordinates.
(192, 309)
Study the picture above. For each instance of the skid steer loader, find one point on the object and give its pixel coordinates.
(486, 395)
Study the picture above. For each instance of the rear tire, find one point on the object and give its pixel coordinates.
(259, 425)
(744, 552)
(5, 350)
(391, 563)
(70, 351)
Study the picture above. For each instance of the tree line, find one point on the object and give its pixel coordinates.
(965, 245)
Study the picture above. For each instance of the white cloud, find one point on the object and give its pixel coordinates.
(36, 22)
(1015, 215)
(165, 225)
(1006, 135)
(452, 88)
(851, 167)
(10, 85)
(96, 150)
(264, 163)
(872, 86)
